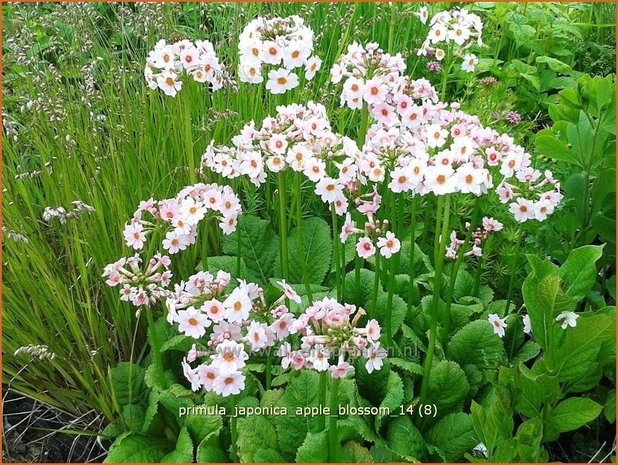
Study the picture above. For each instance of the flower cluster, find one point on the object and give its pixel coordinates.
(285, 44)
(141, 287)
(167, 62)
(180, 216)
(452, 33)
(479, 236)
(330, 336)
(228, 326)
(369, 73)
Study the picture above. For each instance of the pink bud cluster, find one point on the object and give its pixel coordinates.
(330, 337)
(141, 287)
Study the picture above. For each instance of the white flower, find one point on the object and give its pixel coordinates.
(192, 323)
(207, 375)
(567, 319)
(192, 211)
(237, 306)
(469, 63)
(229, 384)
(230, 357)
(271, 53)
(522, 209)
(312, 66)
(174, 242)
(375, 355)
(214, 309)
(389, 245)
(373, 330)
(256, 336)
(134, 235)
(191, 375)
(319, 358)
(436, 135)
(526, 322)
(282, 326)
(281, 80)
(328, 189)
(498, 324)
(295, 54)
(168, 84)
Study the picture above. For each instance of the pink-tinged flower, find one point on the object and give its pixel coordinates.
(373, 330)
(319, 358)
(375, 91)
(230, 357)
(522, 210)
(214, 309)
(567, 319)
(365, 248)
(285, 352)
(228, 224)
(282, 326)
(229, 384)
(375, 355)
(207, 375)
(328, 189)
(383, 113)
(278, 144)
(174, 242)
(341, 370)
(298, 360)
(193, 354)
(348, 229)
(192, 323)
(389, 245)
(526, 322)
(498, 324)
(237, 306)
(134, 235)
(491, 225)
(256, 336)
(288, 291)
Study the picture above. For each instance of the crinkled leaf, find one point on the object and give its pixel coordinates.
(184, 449)
(476, 344)
(453, 435)
(447, 386)
(138, 448)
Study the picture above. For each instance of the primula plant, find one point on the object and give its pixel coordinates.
(353, 241)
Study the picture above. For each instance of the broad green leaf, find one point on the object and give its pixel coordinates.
(138, 448)
(396, 311)
(201, 426)
(357, 453)
(448, 386)
(128, 383)
(393, 398)
(268, 456)
(408, 366)
(579, 271)
(313, 449)
(453, 435)
(211, 451)
(574, 413)
(610, 406)
(405, 439)
(184, 449)
(548, 145)
(258, 245)
(318, 248)
(477, 344)
(254, 433)
(363, 293)
(554, 64)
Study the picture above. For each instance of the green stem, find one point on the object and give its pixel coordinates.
(444, 204)
(233, 434)
(283, 228)
(269, 366)
(301, 240)
(336, 252)
(412, 250)
(188, 138)
(333, 437)
(509, 296)
(376, 284)
(322, 399)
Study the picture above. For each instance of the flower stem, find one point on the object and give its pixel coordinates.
(509, 296)
(333, 437)
(336, 252)
(269, 365)
(322, 398)
(412, 250)
(233, 434)
(444, 205)
(376, 284)
(301, 239)
(283, 228)
(155, 348)
(188, 139)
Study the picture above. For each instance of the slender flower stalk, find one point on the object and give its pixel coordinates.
(301, 240)
(413, 208)
(514, 269)
(444, 205)
(333, 436)
(336, 262)
(283, 229)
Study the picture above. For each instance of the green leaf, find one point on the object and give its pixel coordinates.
(393, 398)
(313, 449)
(609, 408)
(268, 456)
(258, 245)
(184, 449)
(554, 64)
(138, 448)
(548, 145)
(405, 439)
(180, 343)
(254, 433)
(453, 435)
(574, 413)
(358, 453)
(447, 386)
(579, 271)
(317, 247)
(477, 344)
(362, 294)
(408, 366)
(210, 450)
(230, 264)
(397, 310)
(128, 383)
(201, 426)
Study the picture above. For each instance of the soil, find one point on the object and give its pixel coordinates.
(30, 433)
